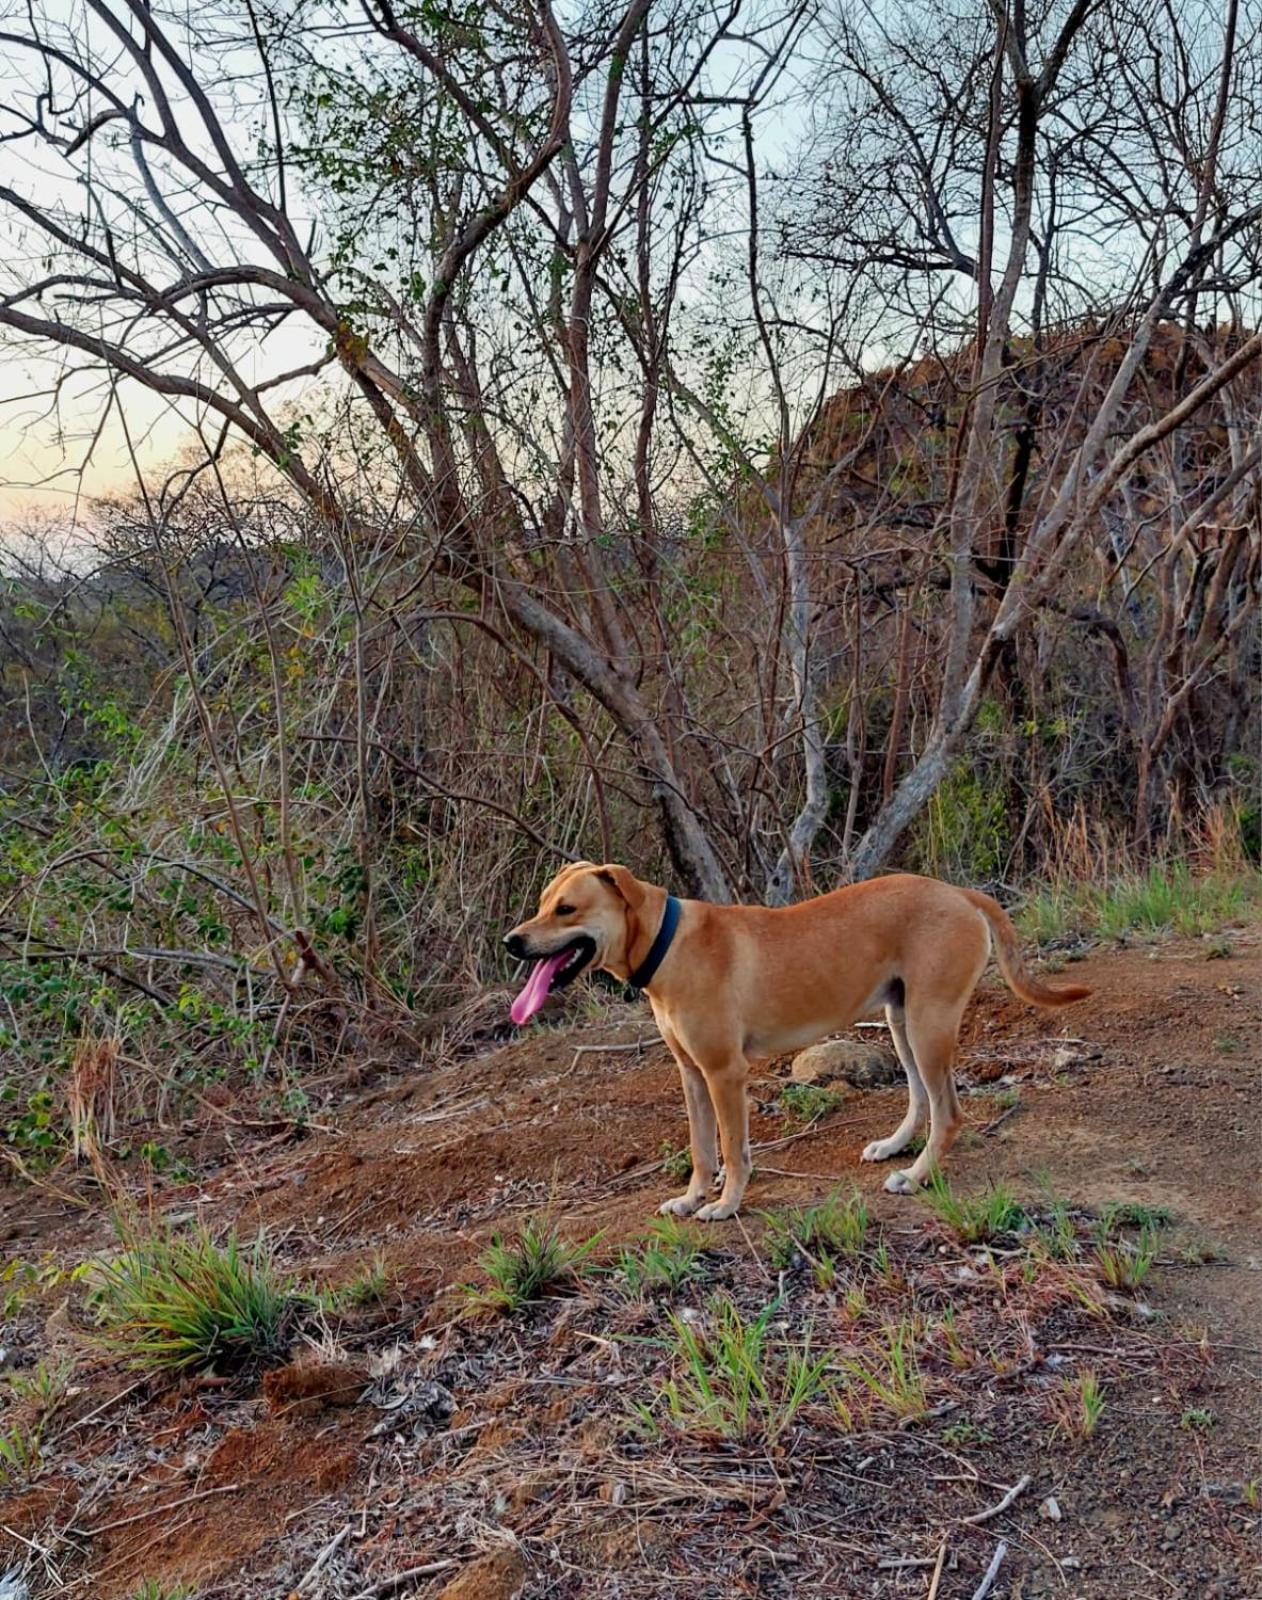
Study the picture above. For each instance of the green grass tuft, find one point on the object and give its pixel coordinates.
(668, 1257)
(732, 1379)
(837, 1226)
(808, 1102)
(173, 1302)
(974, 1218)
(537, 1264)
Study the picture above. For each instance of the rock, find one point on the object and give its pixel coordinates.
(864, 1066)
(1050, 1509)
(498, 1576)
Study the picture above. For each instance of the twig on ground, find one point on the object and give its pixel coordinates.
(1002, 1117)
(1018, 1488)
(387, 1585)
(937, 1572)
(324, 1555)
(602, 1049)
(155, 1511)
(992, 1571)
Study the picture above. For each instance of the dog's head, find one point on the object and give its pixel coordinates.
(586, 918)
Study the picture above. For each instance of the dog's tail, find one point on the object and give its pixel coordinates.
(1008, 955)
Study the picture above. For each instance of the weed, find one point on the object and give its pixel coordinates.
(1226, 1044)
(1081, 1405)
(1196, 1417)
(962, 1433)
(369, 1287)
(667, 1258)
(152, 1589)
(973, 1218)
(1167, 897)
(892, 1375)
(837, 1226)
(1123, 1265)
(538, 1263)
(1251, 1493)
(808, 1102)
(1200, 1252)
(1134, 1214)
(1220, 950)
(676, 1164)
(1007, 1098)
(21, 1456)
(170, 1302)
(732, 1379)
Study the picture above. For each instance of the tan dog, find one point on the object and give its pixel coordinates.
(735, 982)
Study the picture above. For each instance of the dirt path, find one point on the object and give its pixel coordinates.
(1145, 1094)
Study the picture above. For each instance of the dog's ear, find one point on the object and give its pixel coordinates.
(623, 883)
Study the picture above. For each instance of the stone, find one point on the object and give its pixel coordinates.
(853, 1061)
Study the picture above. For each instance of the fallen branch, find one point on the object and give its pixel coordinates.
(155, 1511)
(992, 1571)
(324, 1555)
(603, 1049)
(1018, 1488)
(937, 1573)
(386, 1585)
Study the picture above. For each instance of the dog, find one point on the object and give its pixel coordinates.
(728, 984)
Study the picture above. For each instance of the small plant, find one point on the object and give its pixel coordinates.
(732, 1380)
(1081, 1405)
(962, 1433)
(21, 1455)
(1133, 1214)
(676, 1164)
(974, 1218)
(1201, 1252)
(892, 1374)
(369, 1287)
(170, 1302)
(152, 1589)
(1220, 950)
(1007, 1098)
(1196, 1417)
(837, 1226)
(537, 1264)
(668, 1257)
(1123, 1265)
(808, 1102)
(1251, 1493)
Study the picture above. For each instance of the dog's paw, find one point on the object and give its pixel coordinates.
(883, 1149)
(901, 1183)
(717, 1211)
(680, 1205)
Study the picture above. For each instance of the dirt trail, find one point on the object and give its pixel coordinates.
(1145, 1093)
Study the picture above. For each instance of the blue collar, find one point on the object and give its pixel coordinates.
(647, 969)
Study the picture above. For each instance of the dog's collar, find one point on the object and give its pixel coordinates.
(647, 969)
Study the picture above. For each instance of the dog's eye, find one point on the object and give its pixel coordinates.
(565, 911)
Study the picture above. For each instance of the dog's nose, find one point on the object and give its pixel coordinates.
(515, 945)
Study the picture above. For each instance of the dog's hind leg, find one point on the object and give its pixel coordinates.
(917, 1099)
(731, 1104)
(932, 1033)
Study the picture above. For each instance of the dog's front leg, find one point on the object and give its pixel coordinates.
(702, 1138)
(731, 1104)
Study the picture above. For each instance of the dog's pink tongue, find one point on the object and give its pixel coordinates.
(531, 999)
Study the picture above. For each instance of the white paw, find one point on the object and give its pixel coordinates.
(680, 1205)
(901, 1183)
(883, 1149)
(717, 1211)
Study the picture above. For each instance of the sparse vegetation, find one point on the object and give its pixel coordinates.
(973, 1218)
(732, 1378)
(183, 1300)
(808, 1102)
(837, 1226)
(21, 1454)
(890, 1372)
(1168, 898)
(676, 1163)
(536, 1264)
(1124, 1265)
(669, 1256)
(1081, 1405)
